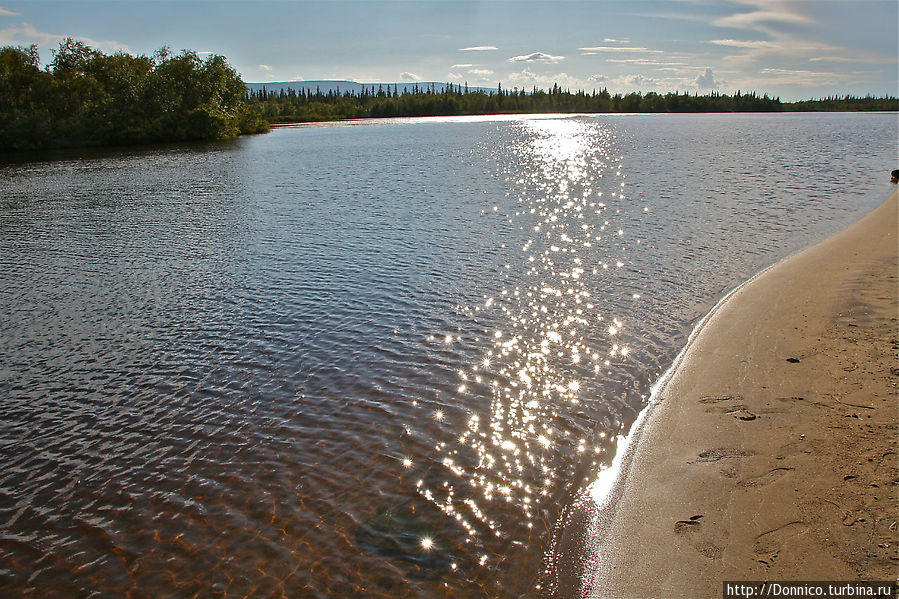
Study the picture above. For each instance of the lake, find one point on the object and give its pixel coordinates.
(376, 358)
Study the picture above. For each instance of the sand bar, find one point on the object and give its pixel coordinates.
(771, 453)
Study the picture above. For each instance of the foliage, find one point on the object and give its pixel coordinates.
(85, 97)
(303, 105)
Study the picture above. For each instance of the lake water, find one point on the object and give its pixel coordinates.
(370, 360)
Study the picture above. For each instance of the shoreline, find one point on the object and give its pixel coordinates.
(768, 450)
(513, 115)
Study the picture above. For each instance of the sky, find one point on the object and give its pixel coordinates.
(792, 49)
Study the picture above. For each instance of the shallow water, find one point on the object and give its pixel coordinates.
(380, 357)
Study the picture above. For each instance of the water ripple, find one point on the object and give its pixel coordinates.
(381, 367)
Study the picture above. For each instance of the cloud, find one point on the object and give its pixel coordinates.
(786, 47)
(753, 44)
(802, 77)
(482, 73)
(765, 16)
(265, 67)
(527, 79)
(644, 61)
(478, 48)
(771, 77)
(768, 13)
(706, 80)
(609, 40)
(777, 25)
(27, 34)
(597, 49)
(453, 76)
(845, 59)
(638, 81)
(8, 13)
(536, 57)
(616, 49)
(461, 66)
(678, 70)
(688, 79)
(407, 76)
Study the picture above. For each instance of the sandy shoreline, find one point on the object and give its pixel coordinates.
(771, 453)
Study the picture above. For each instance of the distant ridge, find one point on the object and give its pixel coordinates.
(406, 87)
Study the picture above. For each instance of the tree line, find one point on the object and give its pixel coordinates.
(287, 106)
(87, 98)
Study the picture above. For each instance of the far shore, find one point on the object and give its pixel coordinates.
(771, 451)
(287, 124)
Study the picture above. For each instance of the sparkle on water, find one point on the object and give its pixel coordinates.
(387, 364)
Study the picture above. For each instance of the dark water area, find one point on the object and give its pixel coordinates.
(374, 360)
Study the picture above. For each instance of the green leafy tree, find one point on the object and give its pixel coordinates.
(86, 97)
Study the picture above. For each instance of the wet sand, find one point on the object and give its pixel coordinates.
(771, 453)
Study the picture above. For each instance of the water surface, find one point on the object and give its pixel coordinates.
(374, 360)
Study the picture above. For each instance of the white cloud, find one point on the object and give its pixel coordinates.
(707, 80)
(687, 79)
(644, 61)
(609, 40)
(26, 34)
(482, 73)
(461, 66)
(597, 49)
(638, 81)
(776, 23)
(769, 77)
(527, 79)
(859, 58)
(536, 57)
(265, 67)
(478, 48)
(783, 46)
(627, 83)
(767, 13)
(753, 44)
(407, 76)
(834, 59)
(8, 13)
(802, 77)
(453, 76)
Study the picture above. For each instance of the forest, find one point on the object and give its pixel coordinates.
(85, 97)
(303, 106)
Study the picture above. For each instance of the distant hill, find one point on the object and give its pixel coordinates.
(352, 86)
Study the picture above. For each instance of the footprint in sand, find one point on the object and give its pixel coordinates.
(738, 411)
(720, 453)
(684, 526)
(713, 399)
(741, 413)
(765, 479)
(691, 530)
(769, 544)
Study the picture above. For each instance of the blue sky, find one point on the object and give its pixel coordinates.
(788, 48)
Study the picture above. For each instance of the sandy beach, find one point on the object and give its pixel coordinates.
(771, 452)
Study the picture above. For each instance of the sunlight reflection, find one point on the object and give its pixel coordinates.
(545, 341)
